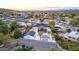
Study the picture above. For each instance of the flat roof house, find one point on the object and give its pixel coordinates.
(73, 35)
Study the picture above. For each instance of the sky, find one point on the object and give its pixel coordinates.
(37, 4)
(36, 8)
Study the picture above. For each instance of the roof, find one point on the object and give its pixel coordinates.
(28, 37)
(59, 25)
(73, 34)
(31, 33)
(22, 24)
(42, 25)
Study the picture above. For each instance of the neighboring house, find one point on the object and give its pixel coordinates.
(2, 18)
(28, 24)
(76, 28)
(22, 26)
(75, 17)
(46, 16)
(67, 20)
(73, 35)
(34, 21)
(60, 27)
(46, 21)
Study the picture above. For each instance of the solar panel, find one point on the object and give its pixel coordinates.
(32, 33)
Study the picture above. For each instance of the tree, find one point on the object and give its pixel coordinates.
(4, 39)
(1, 38)
(17, 33)
(26, 21)
(3, 27)
(30, 15)
(75, 22)
(54, 31)
(41, 18)
(25, 48)
(51, 23)
(63, 19)
(13, 25)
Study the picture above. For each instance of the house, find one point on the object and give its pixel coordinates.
(32, 39)
(34, 21)
(76, 27)
(46, 21)
(67, 20)
(73, 35)
(60, 27)
(22, 26)
(2, 18)
(75, 17)
(42, 26)
(28, 24)
(46, 16)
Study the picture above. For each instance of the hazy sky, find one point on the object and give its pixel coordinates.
(45, 8)
(37, 4)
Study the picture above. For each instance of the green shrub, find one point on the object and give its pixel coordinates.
(17, 33)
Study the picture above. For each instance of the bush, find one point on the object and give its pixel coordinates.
(13, 25)
(4, 39)
(63, 19)
(54, 31)
(25, 48)
(17, 33)
(51, 24)
(3, 27)
(75, 22)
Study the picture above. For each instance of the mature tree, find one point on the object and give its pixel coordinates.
(62, 19)
(13, 25)
(3, 27)
(51, 23)
(26, 21)
(25, 48)
(30, 15)
(75, 22)
(4, 39)
(1, 38)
